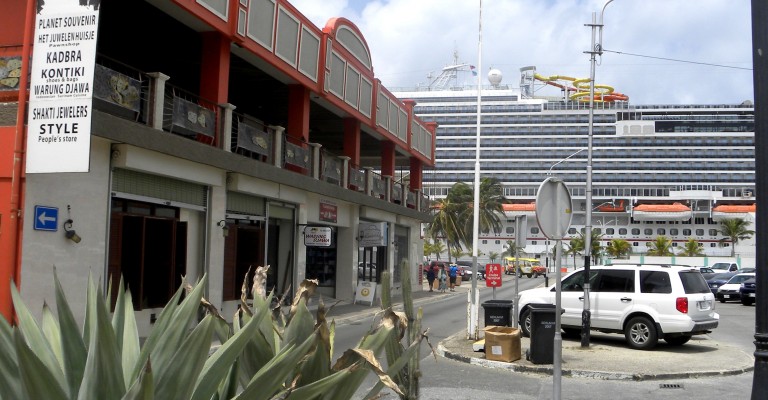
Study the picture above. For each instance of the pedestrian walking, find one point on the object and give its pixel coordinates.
(453, 272)
(443, 278)
(431, 274)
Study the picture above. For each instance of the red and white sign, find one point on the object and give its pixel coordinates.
(493, 275)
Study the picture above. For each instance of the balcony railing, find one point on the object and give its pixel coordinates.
(147, 98)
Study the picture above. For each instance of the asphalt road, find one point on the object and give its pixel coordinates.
(443, 378)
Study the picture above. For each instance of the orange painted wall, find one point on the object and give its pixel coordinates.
(7, 224)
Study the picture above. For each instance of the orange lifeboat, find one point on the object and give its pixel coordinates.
(612, 207)
(514, 209)
(661, 212)
(729, 211)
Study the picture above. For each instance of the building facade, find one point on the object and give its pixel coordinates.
(224, 136)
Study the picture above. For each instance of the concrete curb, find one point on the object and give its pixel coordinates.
(726, 355)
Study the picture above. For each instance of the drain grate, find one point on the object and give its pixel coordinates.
(671, 386)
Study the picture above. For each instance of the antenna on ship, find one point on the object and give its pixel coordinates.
(449, 73)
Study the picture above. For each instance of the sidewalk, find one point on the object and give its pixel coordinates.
(607, 357)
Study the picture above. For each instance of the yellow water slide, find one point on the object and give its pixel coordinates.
(580, 88)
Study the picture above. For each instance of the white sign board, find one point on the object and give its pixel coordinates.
(365, 292)
(372, 234)
(317, 236)
(61, 87)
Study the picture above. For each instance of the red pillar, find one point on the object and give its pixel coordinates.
(387, 159)
(298, 113)
(415, 176)
(352, 140)
(214, 70)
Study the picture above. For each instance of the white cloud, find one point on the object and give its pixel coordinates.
(408, 39)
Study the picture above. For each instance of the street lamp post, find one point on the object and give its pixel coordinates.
(597, 49)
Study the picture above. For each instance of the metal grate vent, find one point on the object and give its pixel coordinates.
(245, 204)
(671, 386)
(159, 187)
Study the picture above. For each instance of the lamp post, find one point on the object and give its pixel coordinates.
(597, 48)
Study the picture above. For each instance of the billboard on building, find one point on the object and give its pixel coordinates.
(61, 86)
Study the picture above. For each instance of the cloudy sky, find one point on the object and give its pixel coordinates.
(643, 41)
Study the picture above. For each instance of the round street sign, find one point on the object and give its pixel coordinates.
(553, 208)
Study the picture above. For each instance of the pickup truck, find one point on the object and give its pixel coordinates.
(725, 267)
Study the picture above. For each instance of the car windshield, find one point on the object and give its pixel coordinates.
(739, 278)
(693, 282)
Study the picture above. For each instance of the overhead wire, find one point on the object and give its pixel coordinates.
(676, 60)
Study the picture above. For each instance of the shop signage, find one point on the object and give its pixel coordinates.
(365, 292)
(61, 87)
(317, 236)
(328, 211)
(372, 234)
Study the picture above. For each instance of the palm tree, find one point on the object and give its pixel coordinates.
(492, 255)
(735, 229)
(438, 249)
(446, 223)
(575, 247)
(618, 248)
(692, 249)
(661, 246)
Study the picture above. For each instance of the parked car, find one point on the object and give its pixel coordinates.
(747, 270)
(725, 267)
(747, 292)
(730, 290)
(665, 301)
(706, 272)
(718, 280)
(468, 270)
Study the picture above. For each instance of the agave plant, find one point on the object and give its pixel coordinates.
(264, 354)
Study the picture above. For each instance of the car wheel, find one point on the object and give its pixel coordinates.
(525, 322)
(722, 299)
(641, 334)
(535, 274)
(677, 340)
(529, 276)
(747, 302)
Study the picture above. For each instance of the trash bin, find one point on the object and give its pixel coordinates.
(498, 312)
(541, 349)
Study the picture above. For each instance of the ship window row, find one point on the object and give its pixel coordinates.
(522, 153)
(672, 178)
(441, 190)
(520, 119)
(607, 145)
(665, 127)
(489, 130)
(583, 105)
(489, 165)
(468, 108)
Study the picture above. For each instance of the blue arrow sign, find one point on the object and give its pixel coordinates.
(46, 218)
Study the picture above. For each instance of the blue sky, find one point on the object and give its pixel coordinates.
(411, 38)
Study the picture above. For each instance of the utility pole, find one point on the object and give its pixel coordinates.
(760, 77)
(597, 49)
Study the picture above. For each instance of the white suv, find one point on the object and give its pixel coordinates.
(644, 302)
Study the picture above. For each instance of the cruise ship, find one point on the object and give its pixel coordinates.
(664, 169)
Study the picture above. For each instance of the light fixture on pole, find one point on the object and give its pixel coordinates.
(597, 49)
(224, 228)
(549, 173)
(70, 233)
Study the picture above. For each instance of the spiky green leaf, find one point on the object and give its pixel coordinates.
(34, 337)
(37, 380)
(73, 349)
(103, 374)
(177, 379)
(10, 385)
(143, 388)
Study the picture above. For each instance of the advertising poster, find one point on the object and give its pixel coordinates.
(61, 86)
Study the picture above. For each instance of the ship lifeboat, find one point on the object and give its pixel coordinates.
(730, 211)
(661, 212)
(513, 210)
(612, 207)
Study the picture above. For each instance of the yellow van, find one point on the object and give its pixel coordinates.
(530, 267)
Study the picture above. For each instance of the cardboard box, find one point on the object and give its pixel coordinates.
(502, 343)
